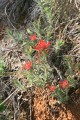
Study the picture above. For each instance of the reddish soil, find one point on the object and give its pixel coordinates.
(45, 108)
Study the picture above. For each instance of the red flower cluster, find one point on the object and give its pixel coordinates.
(51, 87)
(42, 44)
(64, 84)
(28, 65)
(33, 37)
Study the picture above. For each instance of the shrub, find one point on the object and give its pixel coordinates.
(38, 43)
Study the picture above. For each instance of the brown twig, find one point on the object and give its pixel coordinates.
(15, 92)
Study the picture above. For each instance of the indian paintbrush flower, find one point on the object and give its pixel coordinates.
(28, 65)
(42, 44)
(51, 87)
(64, 84)
(33, 37)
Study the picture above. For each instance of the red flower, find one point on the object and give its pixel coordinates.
(33, 37)
(52, 88)
(42, 44)
(37, 47)
(64, 84)
(28, 65)
(48, 44)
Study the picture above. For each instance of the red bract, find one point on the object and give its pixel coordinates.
(33, 37)
(37, 47)
(48, 44)
(28, 65)
(42, 44)
(51, 87)
(64, 84)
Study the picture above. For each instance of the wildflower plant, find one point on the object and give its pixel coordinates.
(38, 72)
(37, 45)
(36, 67)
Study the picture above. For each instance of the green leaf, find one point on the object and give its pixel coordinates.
(2, 106)
(60, 94)
(9, 32)
(29, 31)
(72, 81)
(58, 44)
(2, 66)
(18, 85)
